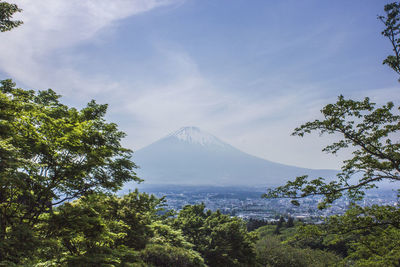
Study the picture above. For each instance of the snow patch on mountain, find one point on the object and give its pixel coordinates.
(196, 136)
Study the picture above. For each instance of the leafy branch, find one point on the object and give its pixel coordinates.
(373, 134)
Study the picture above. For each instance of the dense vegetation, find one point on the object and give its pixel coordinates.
(60, 168)
(7, 10)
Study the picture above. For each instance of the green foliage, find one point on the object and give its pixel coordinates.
(58, 169)
(81, 229)
(285, 233)
(221, 240)
(166, 234)
(374, 234)
(254, 224)
(166, 256)
(51, 153)
(367, 236)
(6, 12)
(271, 252)
(392, 32)
(104, 228)
(281, 250)
(136, 211)
(20, 243)
(191, 220)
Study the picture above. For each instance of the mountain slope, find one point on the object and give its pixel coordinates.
(190, 156)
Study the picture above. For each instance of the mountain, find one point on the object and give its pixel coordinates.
(190, 156)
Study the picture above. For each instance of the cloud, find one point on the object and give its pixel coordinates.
(51, 26)
(259, 126)
(170, 90)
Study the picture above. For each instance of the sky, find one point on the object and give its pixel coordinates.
(248, 72)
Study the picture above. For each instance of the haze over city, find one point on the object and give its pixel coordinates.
(247, 72)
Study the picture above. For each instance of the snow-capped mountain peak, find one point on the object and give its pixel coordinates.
(194, 135)
(190, 156)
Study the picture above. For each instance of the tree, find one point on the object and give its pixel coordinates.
(392, 32)
(50, 153)
(290, 222)
(279, 225)
(6, 12)
(364, 236)
(372, 235)
(376, 157)
(100, 229)
(220, 239)
(104, 230)
(166, 255)
(270, 251)
(191, 220)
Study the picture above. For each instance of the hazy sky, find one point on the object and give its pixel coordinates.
(246, 71)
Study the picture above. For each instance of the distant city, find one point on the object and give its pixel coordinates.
(247, 203)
